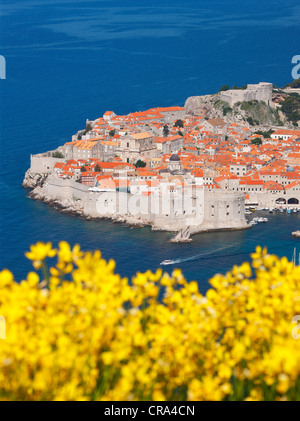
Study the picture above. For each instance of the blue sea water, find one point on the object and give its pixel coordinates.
(70, 60)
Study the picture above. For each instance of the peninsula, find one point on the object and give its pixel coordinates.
(184, 169)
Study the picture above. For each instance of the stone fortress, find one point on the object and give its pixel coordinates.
(259, 92)
(190, 208)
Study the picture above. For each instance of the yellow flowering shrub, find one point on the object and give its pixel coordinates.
(78, 331)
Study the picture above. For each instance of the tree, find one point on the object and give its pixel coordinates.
(83, 169)
(179, 123)
(140, 164)
(256, 141)
(224, 88)
(88, 128)
(294, 84)
(226, 110)
(97, 168)
(241, 88)
(112, 133)
(266, 134)
(166, 130)
(251, 121)
(180, 133)
(57, 154)
(291, 107)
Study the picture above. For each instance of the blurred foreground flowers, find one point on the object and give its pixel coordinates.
(78, 331)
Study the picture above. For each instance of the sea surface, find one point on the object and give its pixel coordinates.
(72, 60)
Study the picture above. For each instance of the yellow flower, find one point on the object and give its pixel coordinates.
(85, 333)
(39, 252)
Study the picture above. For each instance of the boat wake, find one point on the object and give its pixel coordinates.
(196, 257)
(212, 254)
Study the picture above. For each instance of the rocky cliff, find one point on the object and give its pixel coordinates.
(32, 180)
(252, 113)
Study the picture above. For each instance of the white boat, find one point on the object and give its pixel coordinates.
(167, 262)
(248, 212)
(258, 220)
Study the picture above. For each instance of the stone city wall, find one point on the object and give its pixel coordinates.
(43, 163)
(200, 211)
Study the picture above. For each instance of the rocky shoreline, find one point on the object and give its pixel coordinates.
(37, 182)
(74, 206)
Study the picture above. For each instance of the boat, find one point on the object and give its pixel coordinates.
(248, 212)
(258, 220)
(271, 210)
(289, 211)
(167, 262)
(295, 210)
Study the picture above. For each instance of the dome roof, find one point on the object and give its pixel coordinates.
(290, 169)
(174, 157)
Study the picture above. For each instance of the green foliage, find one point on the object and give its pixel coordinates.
(252, 122)
(180, 133)
(291, 108)
(247, 105)
(83, 169)
(266, 134)
(88, 128)
(224, 88)
(166, 130)
(178, 123)
(112, 133)
(97, 168)
(226, 110)
(140, 164)
(295, 84)
(57, 154)
(256, 141)
(241, 88)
